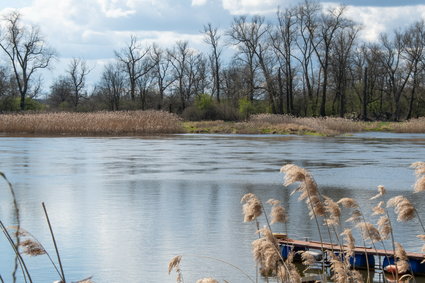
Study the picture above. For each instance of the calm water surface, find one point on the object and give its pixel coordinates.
(121, 208)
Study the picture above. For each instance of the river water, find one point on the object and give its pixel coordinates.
(121, 208)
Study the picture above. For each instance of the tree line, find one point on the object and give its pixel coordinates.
(305, 61)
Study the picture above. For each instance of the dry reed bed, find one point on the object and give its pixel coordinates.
(96, 123)
(326, 126)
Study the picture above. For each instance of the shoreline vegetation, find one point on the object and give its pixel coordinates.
(151, 122)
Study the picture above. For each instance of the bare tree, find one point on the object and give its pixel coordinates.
(26, 50)
(341, 55)
(132, 59)
(253, 37)
(189, 68)
(212, 37)
(161, 70)
(396, 69)
(283, 40)
(323, 35)
(307, 20)
(112, 85)
(414, 45)
(77, 71)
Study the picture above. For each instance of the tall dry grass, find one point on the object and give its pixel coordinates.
(95, 123)
(410, 126)
(326, 125)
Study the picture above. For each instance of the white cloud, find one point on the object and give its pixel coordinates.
(199, 2)
(239, 7)
(376, 20)
(115, 8)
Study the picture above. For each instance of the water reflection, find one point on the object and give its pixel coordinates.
(121, 208)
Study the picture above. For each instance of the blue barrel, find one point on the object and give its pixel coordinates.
(360, 261)
(286, 249)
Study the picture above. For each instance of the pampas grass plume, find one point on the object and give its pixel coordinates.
(381, 192)
(348, 203)
(403, 208)
(252, 207)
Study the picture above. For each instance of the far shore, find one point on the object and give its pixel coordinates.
(145, 123)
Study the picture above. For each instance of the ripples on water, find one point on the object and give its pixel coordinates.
(123, 207)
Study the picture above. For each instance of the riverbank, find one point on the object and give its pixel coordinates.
(91, 124)
(124, 123)
(283, 124)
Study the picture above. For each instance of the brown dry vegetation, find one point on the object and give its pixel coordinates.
(159, 122)
(91, 124)
(286, 124)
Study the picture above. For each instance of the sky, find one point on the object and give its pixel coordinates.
(93, 29)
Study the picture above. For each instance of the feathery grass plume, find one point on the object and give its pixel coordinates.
(369, 232)
(419, 167)
(356, 216)
(339, 269)
(402, 259)
(175, 264)
(294, 276)
(384, 227)
(32, 248)
(419, 185)
(307, 259)
(348, 203)
(307, 187)
(403, 208)
(356, 276)
(251, 208)
(381, 192)
(278, 213)
(265, 255)
(378, 209)
(334, 211)
(349, 242)
(315, 206)
(207, 280)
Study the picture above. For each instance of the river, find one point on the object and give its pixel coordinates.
(121, 208)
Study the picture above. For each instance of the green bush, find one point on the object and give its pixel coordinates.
(13, 104)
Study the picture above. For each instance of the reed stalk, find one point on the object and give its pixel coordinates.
(24, 268)
(54, 242)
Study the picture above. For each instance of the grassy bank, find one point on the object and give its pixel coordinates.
(283, 124)
(151, 122)
(91, 124)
